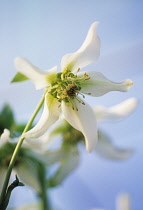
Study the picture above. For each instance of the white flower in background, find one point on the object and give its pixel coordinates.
(64, 90)
(122, 202)
(30, 155)
(105, 147)
(67, 158)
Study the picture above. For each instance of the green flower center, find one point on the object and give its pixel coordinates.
(67, 86)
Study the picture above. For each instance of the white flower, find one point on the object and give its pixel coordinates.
(67, 158)
(63, 89)
(122, 202)
(31, 153)
(105, 147)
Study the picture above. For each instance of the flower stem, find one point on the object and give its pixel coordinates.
(17, 148)
(45, 205)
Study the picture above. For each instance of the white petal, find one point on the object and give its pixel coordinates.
(28, 173)
(4, 137)
(40, 143)
(123, 202)
(49, 116)
(68, 165)
(38, 77)
(51, 157)
(82, 120)
(116, 112)
(99, 85)
(106, 149)
(88, 52)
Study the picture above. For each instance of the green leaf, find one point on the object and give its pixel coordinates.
(19, 78)
(6, 118)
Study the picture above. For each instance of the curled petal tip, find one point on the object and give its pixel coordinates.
(95, 24)
(17, 60)
(128, 83)
(90, 148)
(86, 54)
(133, 101)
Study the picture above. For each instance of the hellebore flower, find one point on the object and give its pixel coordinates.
(66, 89)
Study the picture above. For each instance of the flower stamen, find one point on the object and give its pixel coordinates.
(80, 101)
(73, 105)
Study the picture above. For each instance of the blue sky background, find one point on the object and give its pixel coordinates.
(43, 31)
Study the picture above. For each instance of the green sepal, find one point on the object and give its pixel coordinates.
(5, 201)
(19, 78)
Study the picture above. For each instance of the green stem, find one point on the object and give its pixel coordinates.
(43, 195)
(17, 148)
